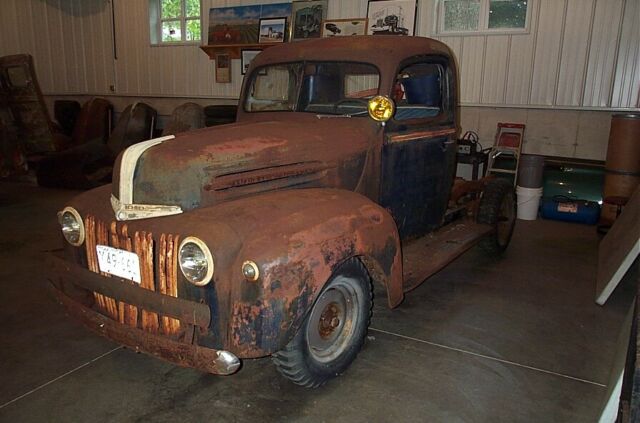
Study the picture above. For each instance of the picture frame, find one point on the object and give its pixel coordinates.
(272, 30)
(391, 17)
(240, 24)
(223, 68)
(246, 56)
(306, 19)
(344, 27)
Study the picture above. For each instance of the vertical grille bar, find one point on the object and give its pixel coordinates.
(165, 267)
(92, 259)
(144, 249)
(168, 277)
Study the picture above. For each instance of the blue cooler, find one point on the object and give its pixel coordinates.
(569, 210)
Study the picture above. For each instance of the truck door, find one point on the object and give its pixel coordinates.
(418, 155)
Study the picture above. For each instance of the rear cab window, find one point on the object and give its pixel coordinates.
(334, 88)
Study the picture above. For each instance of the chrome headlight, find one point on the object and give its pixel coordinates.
(72, 226)
(196, 261)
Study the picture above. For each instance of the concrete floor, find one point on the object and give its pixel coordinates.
(512, 339)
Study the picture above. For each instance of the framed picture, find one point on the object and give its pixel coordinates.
(272, 30)
(344, 27)
(391, 17)
(240, 24)
(306, 19)
(223, 68)
(246, 57)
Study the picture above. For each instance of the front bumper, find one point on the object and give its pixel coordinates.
(68, 277)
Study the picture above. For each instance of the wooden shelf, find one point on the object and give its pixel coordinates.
(233, 50)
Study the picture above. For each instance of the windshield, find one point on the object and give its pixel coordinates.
(334, 88)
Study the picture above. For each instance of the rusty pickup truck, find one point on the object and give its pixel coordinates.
(266, 237)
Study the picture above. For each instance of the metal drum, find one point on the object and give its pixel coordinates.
(622, 168)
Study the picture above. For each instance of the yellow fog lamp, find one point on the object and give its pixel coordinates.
(381, 108)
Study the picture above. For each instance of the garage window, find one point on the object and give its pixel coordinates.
(483, 16)
(175, 21)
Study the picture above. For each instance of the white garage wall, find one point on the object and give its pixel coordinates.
(580, 55)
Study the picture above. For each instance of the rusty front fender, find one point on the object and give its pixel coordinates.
(304, 237)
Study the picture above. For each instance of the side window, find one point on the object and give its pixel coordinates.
(174, 21)
(273, 89)
(420, 91)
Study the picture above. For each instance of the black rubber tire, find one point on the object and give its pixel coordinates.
(299, 363)
(498, 199)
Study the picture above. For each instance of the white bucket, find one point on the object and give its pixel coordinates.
(528, 202)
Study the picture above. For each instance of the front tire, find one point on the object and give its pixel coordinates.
(497, 208)
(333, 332)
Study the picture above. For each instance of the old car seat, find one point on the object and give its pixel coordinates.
(186, 117)
(220, 114)
(93, 122)
(66, 113)
(90, 164)
(136, 124)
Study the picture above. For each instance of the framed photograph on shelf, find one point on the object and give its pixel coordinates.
(223, 68)
(246, 57)
(344, 27)
(391, 17)
(306, 19)
(272, 30)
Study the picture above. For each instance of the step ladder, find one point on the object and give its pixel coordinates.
(507, 147)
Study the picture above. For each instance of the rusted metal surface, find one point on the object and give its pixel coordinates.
(128, 292)
(204, 167)
(179, 353)
(441, 247)
(356, 183)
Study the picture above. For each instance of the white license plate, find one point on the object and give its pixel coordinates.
(119, 262)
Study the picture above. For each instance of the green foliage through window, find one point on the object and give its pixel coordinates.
(171, 9)
(179, 20)
(507, 13)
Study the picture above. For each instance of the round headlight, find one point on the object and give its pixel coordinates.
(196, 261)
(72, 226)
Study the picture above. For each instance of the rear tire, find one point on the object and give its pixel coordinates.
(333, 332)
(497, 208)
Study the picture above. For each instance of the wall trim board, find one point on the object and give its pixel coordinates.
(141, 95)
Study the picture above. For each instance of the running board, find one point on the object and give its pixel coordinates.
(425, 256)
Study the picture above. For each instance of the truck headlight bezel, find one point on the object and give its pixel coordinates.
(72, 226)
(193, 253)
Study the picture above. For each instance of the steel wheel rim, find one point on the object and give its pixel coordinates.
(334, 319)
(506, 218)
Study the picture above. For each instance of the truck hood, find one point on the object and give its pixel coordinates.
(203, 167)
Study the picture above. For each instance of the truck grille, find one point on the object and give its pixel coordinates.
(164, 265)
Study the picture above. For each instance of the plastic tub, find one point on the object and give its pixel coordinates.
(528, 202)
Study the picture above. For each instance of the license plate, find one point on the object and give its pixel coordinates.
(114, 261)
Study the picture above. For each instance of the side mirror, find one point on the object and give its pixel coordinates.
(381, 108)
